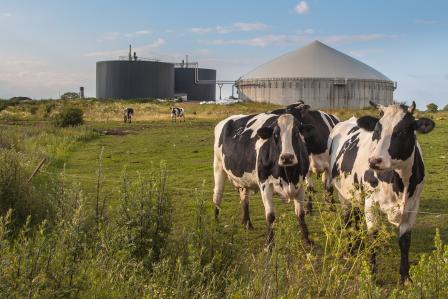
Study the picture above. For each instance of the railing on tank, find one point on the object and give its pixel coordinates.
(138, 59)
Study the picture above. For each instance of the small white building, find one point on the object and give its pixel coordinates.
(319, 75)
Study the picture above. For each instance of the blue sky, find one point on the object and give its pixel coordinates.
(49, 47)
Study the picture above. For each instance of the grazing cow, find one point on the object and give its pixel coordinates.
(262, 152)
(317, 143)
(128, 113)
(177, 113)
(378, 162)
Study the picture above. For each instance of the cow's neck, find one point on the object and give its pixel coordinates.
(405, 174)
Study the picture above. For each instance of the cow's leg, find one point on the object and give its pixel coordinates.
(219, 176)
(372, 255)
(352, 215)
(372, 230)
(405, 243)
(326, 180)
(300, 212)
(244, 198)
(266, 195)
(310, 188)
(309, 182)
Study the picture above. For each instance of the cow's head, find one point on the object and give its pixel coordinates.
(393, 135)
(285, 135)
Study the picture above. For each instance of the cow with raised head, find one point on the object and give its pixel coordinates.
(177, 113)
(317, 143)
(128, 113)
(378, 163)
(263, 152)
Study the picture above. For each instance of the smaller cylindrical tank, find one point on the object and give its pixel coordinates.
(123, 79)
(204, 90)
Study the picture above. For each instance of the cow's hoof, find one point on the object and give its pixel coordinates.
(216, 213)
(248, 225)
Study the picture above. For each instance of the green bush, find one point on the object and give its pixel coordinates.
(70, 96)
(445, 108)
(432, 108)
(69, 117)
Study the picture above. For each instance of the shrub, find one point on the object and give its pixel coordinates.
(70, 96)
(48, 108)
(69, 117)
(432, 108)
(445, 108)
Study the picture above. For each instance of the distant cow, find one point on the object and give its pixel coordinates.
(177, 113)
(317, 143)
(128, 113)
(262, 152)
(381, 160)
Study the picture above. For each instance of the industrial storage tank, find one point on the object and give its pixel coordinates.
(127, 79)
(320, 76)
(198, 83)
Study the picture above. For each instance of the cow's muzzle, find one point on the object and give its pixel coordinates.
(287, 160)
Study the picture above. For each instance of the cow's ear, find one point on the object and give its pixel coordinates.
(424, 125)
(411, 108)
(306, 130)
(367, 122)
(265, 132)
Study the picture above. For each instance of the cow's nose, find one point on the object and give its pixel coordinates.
(286, 159)
(375, 162)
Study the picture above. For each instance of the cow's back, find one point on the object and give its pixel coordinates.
(235, 146)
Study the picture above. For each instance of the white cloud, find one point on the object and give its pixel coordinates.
(302, 8)
(234, 27)
(28, 76)
(365, 52)
(141, 51)
(269, 40)
(306, 31)
(201, 30)
(261, 41)
(138, 33)
(6, 14)
(109, 36)
(345, 39)
(425, 22)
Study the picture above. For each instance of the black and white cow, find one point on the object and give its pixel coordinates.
(177, 113)
(378, 162)
(317, 142)
(128, 113)
(262, 152)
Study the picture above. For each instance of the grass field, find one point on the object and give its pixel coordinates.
(187, 150)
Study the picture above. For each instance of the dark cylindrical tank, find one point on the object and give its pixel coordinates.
(123, 79)
(185, 83)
